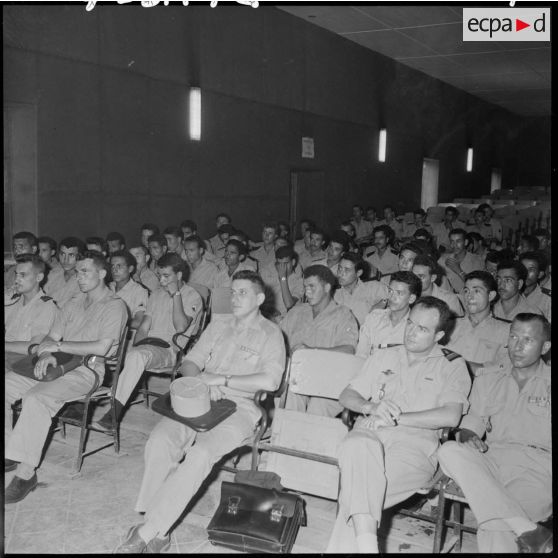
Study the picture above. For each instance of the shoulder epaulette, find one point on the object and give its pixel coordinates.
(503, 320)
(46, 298)
(546, 291)
(450, 355)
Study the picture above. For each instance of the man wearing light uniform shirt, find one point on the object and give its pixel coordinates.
(382, 258)
(535, 264)
(202, 271)
(64, 286)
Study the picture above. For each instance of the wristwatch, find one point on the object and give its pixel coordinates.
(283, 279)
(227, 378)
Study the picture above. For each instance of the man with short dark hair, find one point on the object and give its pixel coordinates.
(390, 219)
(234, 260)
(315, 254)
(147, 230)
(47, 252)
(64, 286)
(360, 297)
(337, 246)
(491, 261)
(22, 243)
(265, 254)
(535, 263)
(493, 225)
(216, 244)
(96, 243)
(303, 244)
(507, 477)
(319, 323)
(239, 355)
(510, 278)
(143, 275)
(528, 243)
(90, 323)
(382, 258)
(419, 222)
(384, 327)
(115, 242)
(363, 228)
(441, 230)
(157, 246)
(174, 236)
(478, 337)
(173, 308)
(406, 395)
(202, 271)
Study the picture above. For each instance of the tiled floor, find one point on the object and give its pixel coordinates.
(92, 512)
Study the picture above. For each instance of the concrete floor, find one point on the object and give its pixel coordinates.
(92, 512)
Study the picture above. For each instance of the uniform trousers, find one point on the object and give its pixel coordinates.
(508, 480)
(41, 401)
(137, 360)
(321, 406)
(378, 470)
(168, 484)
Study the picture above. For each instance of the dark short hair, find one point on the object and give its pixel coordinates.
(410, 279)
(542, 232)
(129, 259)
(175, 231)
(240, 246)
(26, 235)
(359, 206)
(484, 206)
(189, 224)
(486, 278)
(97, 240)
(371, 208)
(473, 235)
(253, 277)
(532, 240)
(387, 230)
(48, 240)
(343, 224)
(452, 209)
(114, 235)
(175, 262)
(318, 230)
(286, 252)
(309, 222)
(536, 256)
(37, 263)
(197, 239)
(227, 228)
(446, 316)
(140, 247)
(389, 207)
(270, 225)
(150, 227)
(98, 258)
(413, 246)
(426, 261)
(419, 211)
(518, 267)
(225, 215)
(462, 232)
(356, 260)
(525, 317)
(340, 237)
(73, 242)
(322, 272)
(422, 233)
(159, 239)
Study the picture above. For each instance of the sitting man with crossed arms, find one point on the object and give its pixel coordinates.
(507, 476)
(235, 356)
(171, 309)
(406, 393)
(90, 323)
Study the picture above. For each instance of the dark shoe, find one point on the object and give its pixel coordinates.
(19, 488)
(10, 465)
(74, 411)
(104, 424)
(157, 545)
(133, 544)
(538, 540)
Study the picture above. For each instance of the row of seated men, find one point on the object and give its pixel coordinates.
(306, 325)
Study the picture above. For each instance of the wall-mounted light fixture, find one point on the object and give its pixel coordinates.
(382, 145)
(469, 159)
(194, 122)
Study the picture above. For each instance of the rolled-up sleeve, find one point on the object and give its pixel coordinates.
(273, 356)
(457, 384)
(473, 419)
(201, 351)
(347, 329)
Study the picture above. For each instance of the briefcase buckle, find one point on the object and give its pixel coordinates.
(234, 503)
(277, 513)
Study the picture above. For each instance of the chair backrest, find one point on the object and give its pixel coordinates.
(203, 291)
(127, 336)
(221, 301)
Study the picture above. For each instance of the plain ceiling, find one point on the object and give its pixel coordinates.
(513, 75)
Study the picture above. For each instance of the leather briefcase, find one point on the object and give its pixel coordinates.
(254, 519)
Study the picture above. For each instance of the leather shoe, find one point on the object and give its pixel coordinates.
(538, 540)
(133, 544)
(19, 488)
(10, 465)
(157, 545)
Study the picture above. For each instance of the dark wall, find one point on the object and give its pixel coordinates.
(111, 86)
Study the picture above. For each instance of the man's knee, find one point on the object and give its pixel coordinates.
(356, 444)
(451, 453)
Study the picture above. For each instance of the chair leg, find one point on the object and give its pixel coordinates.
(457, 509)
(115, 429)
(82, 438)
(255, 456)
(146, 393)
(438, 531)
(62, 429)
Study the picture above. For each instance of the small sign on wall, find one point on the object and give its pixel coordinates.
(307, 148)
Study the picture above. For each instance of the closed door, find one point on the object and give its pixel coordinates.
(307, 199)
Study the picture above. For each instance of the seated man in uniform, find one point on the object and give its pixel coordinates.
(319, 323)
(235, 357)
(157, 246)
(22, 243)
(419, 222)
(143, 275)
(458, 262)
(47, 253)
(172, 308)
(359, 297)
(478, 225)
(390, 219)
(224, 231)
(338, 245)
(147, 230)
(426, 269)
(202, 271)
(265, 254)
(442, 230)
(363, 228)
(303, 244)
(97, 244)
(406, 394)
(528, 243)
(479, 337)
(382, 258)
(174, 236)
(507, 476)
(90, 323)
(511, 277)
(122, 266)
(216, 244)
(536, 263)
(63, 287)
(115, 242)
(315, 254)
(384, 327)
(234, 260)
(493, 226)
(284, 280)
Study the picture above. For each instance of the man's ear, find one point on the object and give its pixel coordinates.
(521, 284)
(438, 335)
(540, 275)
(359, 273)
(545, 347)
(103, 274)
(260, 297)
(327, 288)
(492, 295)
(179, 275)
(412, 299)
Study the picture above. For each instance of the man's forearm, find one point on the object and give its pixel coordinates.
(432, 419)
(352, 400)
(288, 299)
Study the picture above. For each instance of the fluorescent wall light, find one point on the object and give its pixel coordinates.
(194, 123)
(469, 159)
(382, 146)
